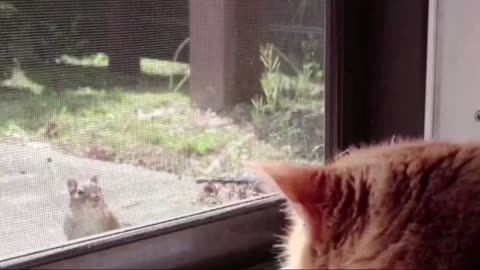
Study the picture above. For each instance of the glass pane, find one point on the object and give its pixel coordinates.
(124, 113)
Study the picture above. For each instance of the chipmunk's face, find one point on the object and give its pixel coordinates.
(85, 193)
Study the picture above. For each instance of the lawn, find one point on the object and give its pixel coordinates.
(86, 111)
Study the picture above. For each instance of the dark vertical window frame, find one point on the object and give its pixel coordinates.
(377, 80)
(397, 69)
(333, 77)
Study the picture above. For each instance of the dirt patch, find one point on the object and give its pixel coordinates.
(218, 192)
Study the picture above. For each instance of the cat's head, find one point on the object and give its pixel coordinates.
(368, 207)
(310, 195)
(333, 219)
(85, 193)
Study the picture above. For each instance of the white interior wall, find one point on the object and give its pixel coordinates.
(455, 78)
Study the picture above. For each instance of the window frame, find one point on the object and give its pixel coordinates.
(185, 239)
(243, 233)
(430, 69)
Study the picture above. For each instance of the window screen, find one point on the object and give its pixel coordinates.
(116, 114)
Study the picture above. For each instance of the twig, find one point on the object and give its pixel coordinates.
(224, 181)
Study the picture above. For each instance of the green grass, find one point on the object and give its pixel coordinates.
(96, 113)
(100, 114)
(87, 115)
(109, 118)
(148, 65)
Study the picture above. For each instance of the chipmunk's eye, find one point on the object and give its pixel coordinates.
(81, 193)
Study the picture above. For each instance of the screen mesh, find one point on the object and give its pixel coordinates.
(123, 113)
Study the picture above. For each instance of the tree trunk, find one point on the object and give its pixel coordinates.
(123, 54)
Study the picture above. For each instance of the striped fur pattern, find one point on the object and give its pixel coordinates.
(397, 205)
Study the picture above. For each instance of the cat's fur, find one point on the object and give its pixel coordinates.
(89, 214)
(403, 205)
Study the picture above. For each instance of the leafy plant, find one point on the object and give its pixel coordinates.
(271, 81)
(289, 112)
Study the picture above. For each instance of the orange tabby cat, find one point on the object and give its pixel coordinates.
(406, 205)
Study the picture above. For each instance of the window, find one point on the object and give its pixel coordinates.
(158, 103)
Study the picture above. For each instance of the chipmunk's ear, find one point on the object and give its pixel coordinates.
(72, 185)
(94, 179)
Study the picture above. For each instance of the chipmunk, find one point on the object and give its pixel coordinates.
(89, 214)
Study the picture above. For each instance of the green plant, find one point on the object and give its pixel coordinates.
(271, 81)
(289, 112)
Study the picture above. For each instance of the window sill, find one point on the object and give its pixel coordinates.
(224, 236)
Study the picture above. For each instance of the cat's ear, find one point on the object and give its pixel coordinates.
(305, 188)
(71, 185)
(94, 179)
(300, 184)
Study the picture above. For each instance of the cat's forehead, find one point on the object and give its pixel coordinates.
(398, 152)
(379, 153)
